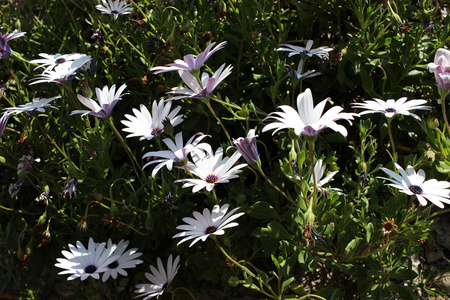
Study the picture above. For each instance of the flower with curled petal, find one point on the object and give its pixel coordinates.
(50, 61)
(115, 8)
(412, 183)
(322, 52)
(107, 99)
(3, 121)
(210, 222)
(190, 61)
(127, 259)
(441, 68)
(390, 108)
(146, 125)
(5, 49)
(247, 146)
(160, 278)
(308, 120)
(38, 104)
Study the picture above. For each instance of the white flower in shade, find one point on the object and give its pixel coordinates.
(190, 61)
(322, 52)
(390, 108)
(84, 263)
(194, 89)
(114, 8)
(107, 99)
(3, 120)
(38, 104)
(210, 222)
(308, 120)
(146, 125)
(298, 74)
(212, 169)
(412, 183)
(127, 259)
(247, 147)
(178, 152)
(319, 171)
(5, 49)
(60, 74)
(49, 61)
(160, 278)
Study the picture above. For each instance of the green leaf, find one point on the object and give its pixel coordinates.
(298, 289)
(263, 210)
(367, 82)
(404, 292)
(369, 231)
(233, 281)
(286, 283)
(273, 230)
(2, 160)
(403, 274)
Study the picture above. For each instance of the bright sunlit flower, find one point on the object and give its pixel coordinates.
(160, 279)
(127, 259)
(146, 125)
(190, 61)
(178, 152)
(38, 104)
(107, 98)
(412, 183)
(390, 108)
(321, 52)
(247, 146)
(212, 169)
(194, 89)
(84, 263)
(60, 74)
(114, 8)
(5, 49)
(210, 222)
(308, 120)
(441, 68)
(49, 61)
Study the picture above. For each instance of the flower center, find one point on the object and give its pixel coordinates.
(416, 189)
(59, 61)
(90, 269)
(388, 226)
(211, 178)
(165, 286)
(156, 131)
(114, 12)
(113, 265)
(390, 110)
(210, 229)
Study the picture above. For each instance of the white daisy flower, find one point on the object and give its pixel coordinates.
(60, 74)
(178, 152)
(298, 74)
(308, 120)
(107, 98)
(126, 260)
(412, 183)
(190, 61)
(208, 223)
(38, 104)
(321, 52)
(194, 89)
(390, 108)
(84, 263)
(146, 125)
(160, 279)
(212, 169)
(114, 8)
(319, 171)
(52, 60)
(3, 121)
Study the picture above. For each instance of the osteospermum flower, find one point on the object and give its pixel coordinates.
(190, 61)
(83, 263)
(210, 222)
(3, 121)
(38, 104)
(197, 90)
(308, 120)
(319, 171)
(322, 52)
(212, 169)
(390, 108)
(247, 146)
(49, 61)
(107, 98)
(60, 74)
(298, 74)
(412, 183)
(160, 278)
(114, 8)
(178, 152)
(441, 68)
(5, 49)
(127, 259)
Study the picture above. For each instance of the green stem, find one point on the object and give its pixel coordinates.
(218, 120)
(447, 126)
(391, 137)
(311, 158)
(185, 289)
(275, 187)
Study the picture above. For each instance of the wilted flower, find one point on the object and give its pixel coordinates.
(115, 8)
(70, 190)
(441, 68)
(321, 52)
(146, 125)
(412, 183)
(247, 147)
(38, 104)
(160, 278)
(44, 197)
(107, 98)
(210, 222)
(212, 169)
(308, 120)
(14, 189)
(196, 89)
(190, 61)
(388, 226)
(127, 259)
(5, 49)
(311, 236)
(50, 61)
(26, 163)
(84, 263)
(390, 108)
